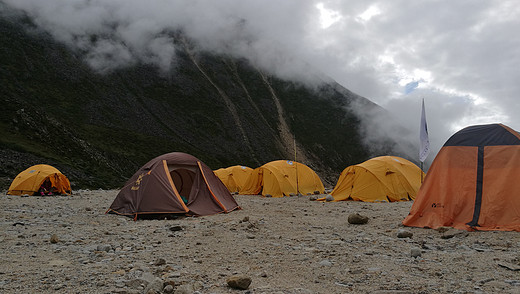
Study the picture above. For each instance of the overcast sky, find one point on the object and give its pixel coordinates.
(461, 56)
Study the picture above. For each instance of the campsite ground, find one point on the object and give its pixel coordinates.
(285, 245)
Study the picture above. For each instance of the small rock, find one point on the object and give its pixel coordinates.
(404, 234)
(159, 261)
(329, 198)
(176, 228)
(245, 219)
(185, 289)
(54, 239)
(325, 262)
(415, 252)
(313, 198)
(239, 282)
(168, 289)
(104, 247)
(268, 195)
(452, 233)
(357, 219)
(88, 209)
(155, 286)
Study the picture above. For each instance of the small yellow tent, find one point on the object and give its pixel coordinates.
(234, 177)
(380, 179)
(30, 180)
(283, 178)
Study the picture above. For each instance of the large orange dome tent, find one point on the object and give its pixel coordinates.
(173, 183)
(380, 179)
(30, 180)
(282, 178)
(472, 183)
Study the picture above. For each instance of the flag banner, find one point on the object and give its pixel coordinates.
(425, 141)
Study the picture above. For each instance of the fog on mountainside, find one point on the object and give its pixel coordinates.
(98, 120)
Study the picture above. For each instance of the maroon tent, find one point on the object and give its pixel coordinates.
(173, 183)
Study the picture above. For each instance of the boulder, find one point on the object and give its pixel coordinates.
(239, 282)
(357, 219)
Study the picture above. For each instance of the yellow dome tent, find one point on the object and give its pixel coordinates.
(31, 180)
(283, 178)
(380, 179)
(234, 177)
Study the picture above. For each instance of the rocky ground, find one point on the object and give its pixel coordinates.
(284, 245)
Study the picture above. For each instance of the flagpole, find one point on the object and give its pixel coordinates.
(424, 140)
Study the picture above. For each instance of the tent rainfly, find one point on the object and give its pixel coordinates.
(173, 183)
(32, 180)
(234, 177)
(380, 179)
(283, 178)
(472, 183)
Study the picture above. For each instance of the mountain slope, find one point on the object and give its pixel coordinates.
(99, 128)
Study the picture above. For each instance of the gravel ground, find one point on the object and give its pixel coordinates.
(284, 245)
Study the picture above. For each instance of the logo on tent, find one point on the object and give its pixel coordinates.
(289, 162)
(138, 182)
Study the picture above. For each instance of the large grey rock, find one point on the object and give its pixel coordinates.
(401, 233)
(357, 219)
(239, 282)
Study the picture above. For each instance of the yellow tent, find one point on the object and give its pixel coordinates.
(380, 179)
(32, 179)
(278, 179)
(234, 177)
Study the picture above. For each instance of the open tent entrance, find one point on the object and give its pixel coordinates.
(183, 179)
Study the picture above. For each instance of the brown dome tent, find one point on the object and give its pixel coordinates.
(173, 183)
(472, 183)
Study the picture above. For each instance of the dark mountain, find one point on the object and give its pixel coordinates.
(99, 129)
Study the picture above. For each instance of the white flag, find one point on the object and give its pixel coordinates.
(425, 142)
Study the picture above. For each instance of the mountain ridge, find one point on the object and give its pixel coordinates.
(99, 129)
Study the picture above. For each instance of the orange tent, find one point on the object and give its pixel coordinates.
(30, 180)
(282, 178)
(380, 179)
(472, 183)
(234, 177)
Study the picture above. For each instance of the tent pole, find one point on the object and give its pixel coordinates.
(421, 172)
(296, 166)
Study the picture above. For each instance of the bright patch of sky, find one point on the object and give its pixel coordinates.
(372, 11)
(327, 16)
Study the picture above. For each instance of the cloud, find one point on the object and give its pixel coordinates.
(461, 56)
